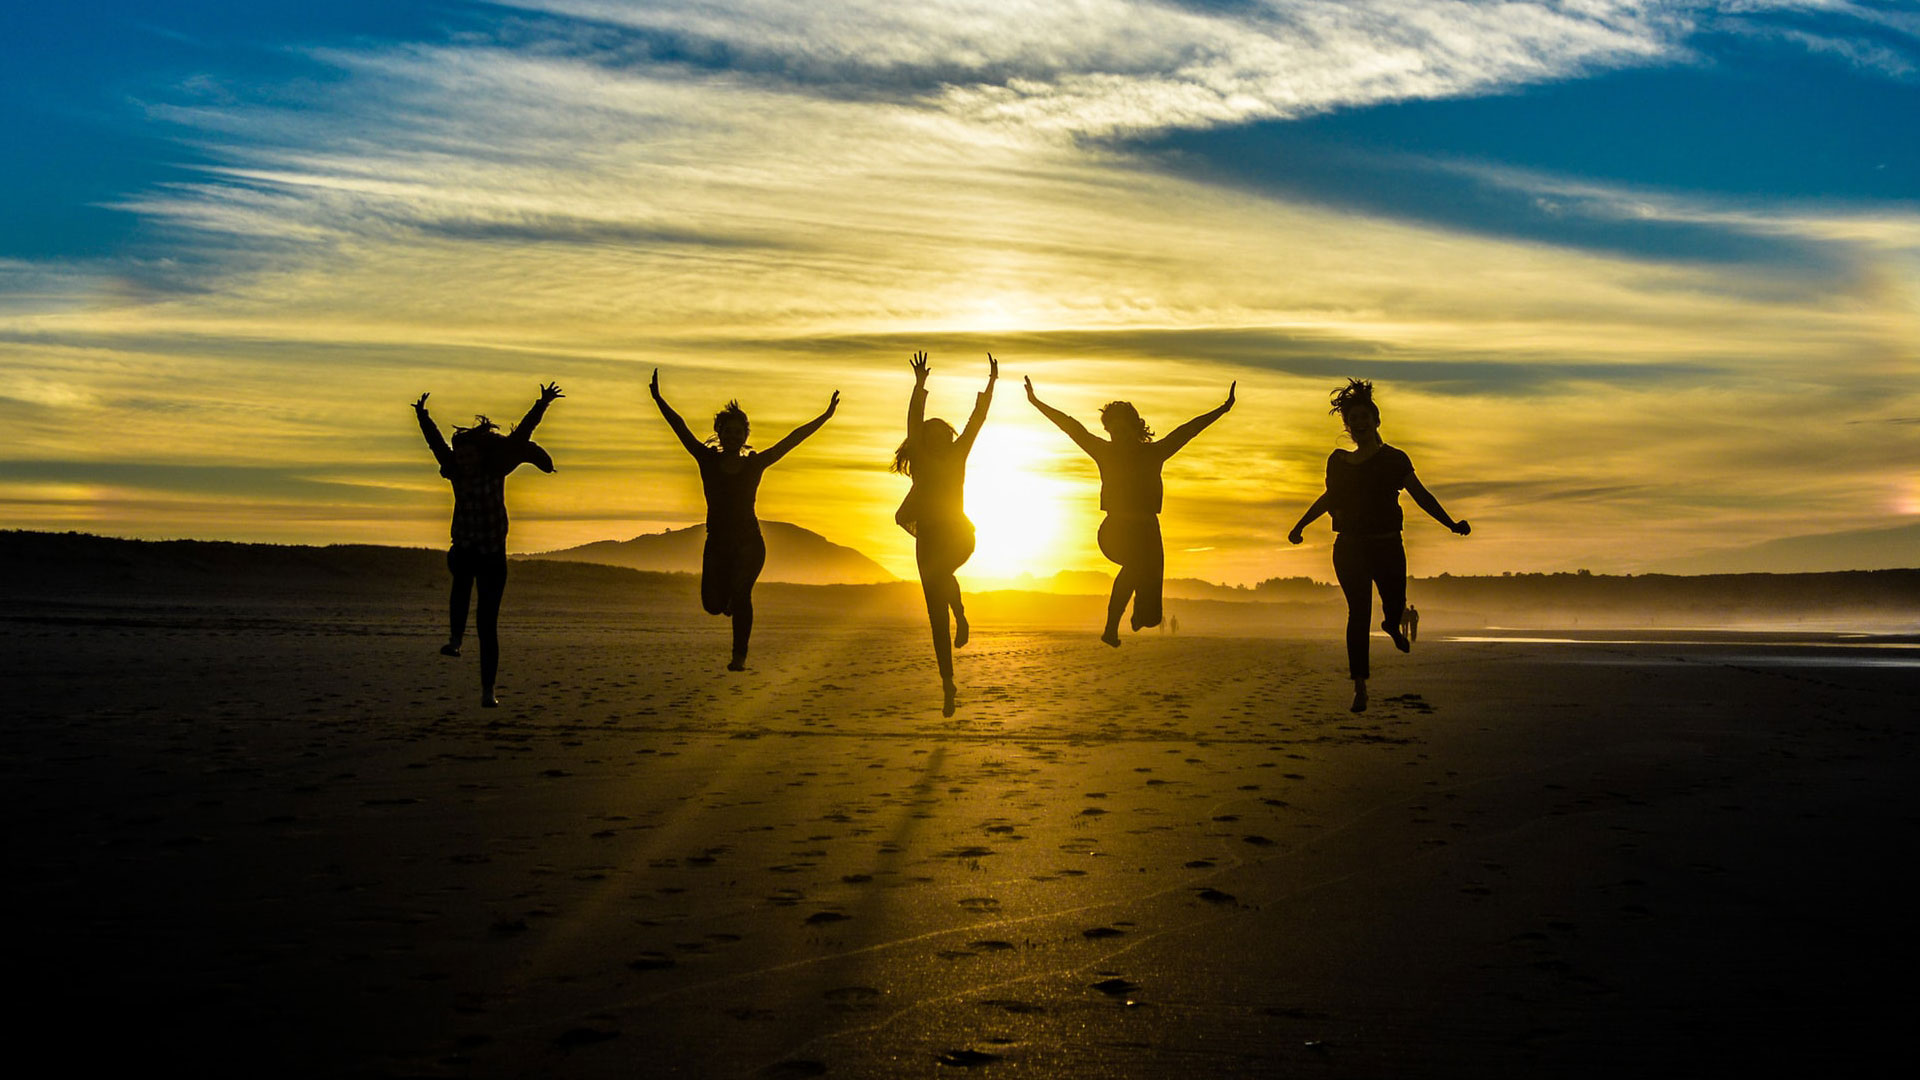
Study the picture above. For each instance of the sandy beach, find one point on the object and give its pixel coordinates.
(279, 841)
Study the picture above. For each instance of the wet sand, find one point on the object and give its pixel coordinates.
(278, 843)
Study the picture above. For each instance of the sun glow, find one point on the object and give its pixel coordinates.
(1017, 504)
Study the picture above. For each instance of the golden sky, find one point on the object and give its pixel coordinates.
(1602, 364)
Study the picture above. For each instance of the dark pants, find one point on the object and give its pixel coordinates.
(939, 549)
(1133, 541)
(489, 569)
(1363, 564)
(729, 565)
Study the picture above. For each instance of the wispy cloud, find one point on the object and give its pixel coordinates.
(777, 199)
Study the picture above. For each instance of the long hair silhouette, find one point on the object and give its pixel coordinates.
(934, 512)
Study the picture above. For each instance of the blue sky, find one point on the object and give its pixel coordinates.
(1598, 238)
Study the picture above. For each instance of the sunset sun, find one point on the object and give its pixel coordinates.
(1017, 504)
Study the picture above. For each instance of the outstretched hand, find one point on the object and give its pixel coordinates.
(920, 369)
(832, 404)
(548, 392)
(1031, 396)
(993, 368)
(1231, 387)
(653, 385)
(1462, 528)
(421, 405)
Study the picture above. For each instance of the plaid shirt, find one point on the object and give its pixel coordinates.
(479, 505)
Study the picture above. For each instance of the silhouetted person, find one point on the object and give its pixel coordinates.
(1410, 624)
(934, 511)
(1363, 494)
(730, 473)
(1130, 491)
(477, 465)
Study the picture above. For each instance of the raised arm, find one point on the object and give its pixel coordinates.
(435, 441)
(799, 435)
(981, 402)
(1074, 429)
(1432, 506)
(678, 425)
(523, 431)
(916, 402)
(1313, 514)
(1184, 434)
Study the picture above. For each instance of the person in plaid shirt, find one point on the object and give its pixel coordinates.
(477, 465)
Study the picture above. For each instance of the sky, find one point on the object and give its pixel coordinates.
(1638, 281)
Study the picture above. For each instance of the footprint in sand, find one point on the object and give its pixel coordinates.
(821, 918)
(792, 1070)
(853, 999)
(966, 1059)
(651, 961)
(1016, 1007)
(980, 905)
(990, 946)
(1098, 932)
(574, 1038)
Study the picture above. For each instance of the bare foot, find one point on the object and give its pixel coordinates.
(738, 663)
(449, 649)
(960, 630)
(487, 700)
(1112, 636)
(1399, 639)
(946, 700)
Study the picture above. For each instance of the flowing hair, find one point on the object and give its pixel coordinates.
(903, 454)
(733, 411)
(1121, 418)
(481, 429)
(1355, 397)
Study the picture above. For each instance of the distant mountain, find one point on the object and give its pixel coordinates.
(794, 554)
(1896, 548)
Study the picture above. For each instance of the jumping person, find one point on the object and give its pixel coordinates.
(1363, 494)
(934, 511)
(730, 473)
(1130, 492)
(477, 465)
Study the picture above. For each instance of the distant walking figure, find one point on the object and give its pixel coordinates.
(1363, 494)
(735, 551)
(1130, 493)
(1410, 624)
(477, 465)
(935, 511)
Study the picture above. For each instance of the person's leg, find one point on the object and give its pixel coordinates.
(716, 573)
(962, 551)
(462, 569)
(492, 578)
(1113, 546)
(1149, 572)
(749, 559)
(1350, 569)
(934, 577)
(1387, 565)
